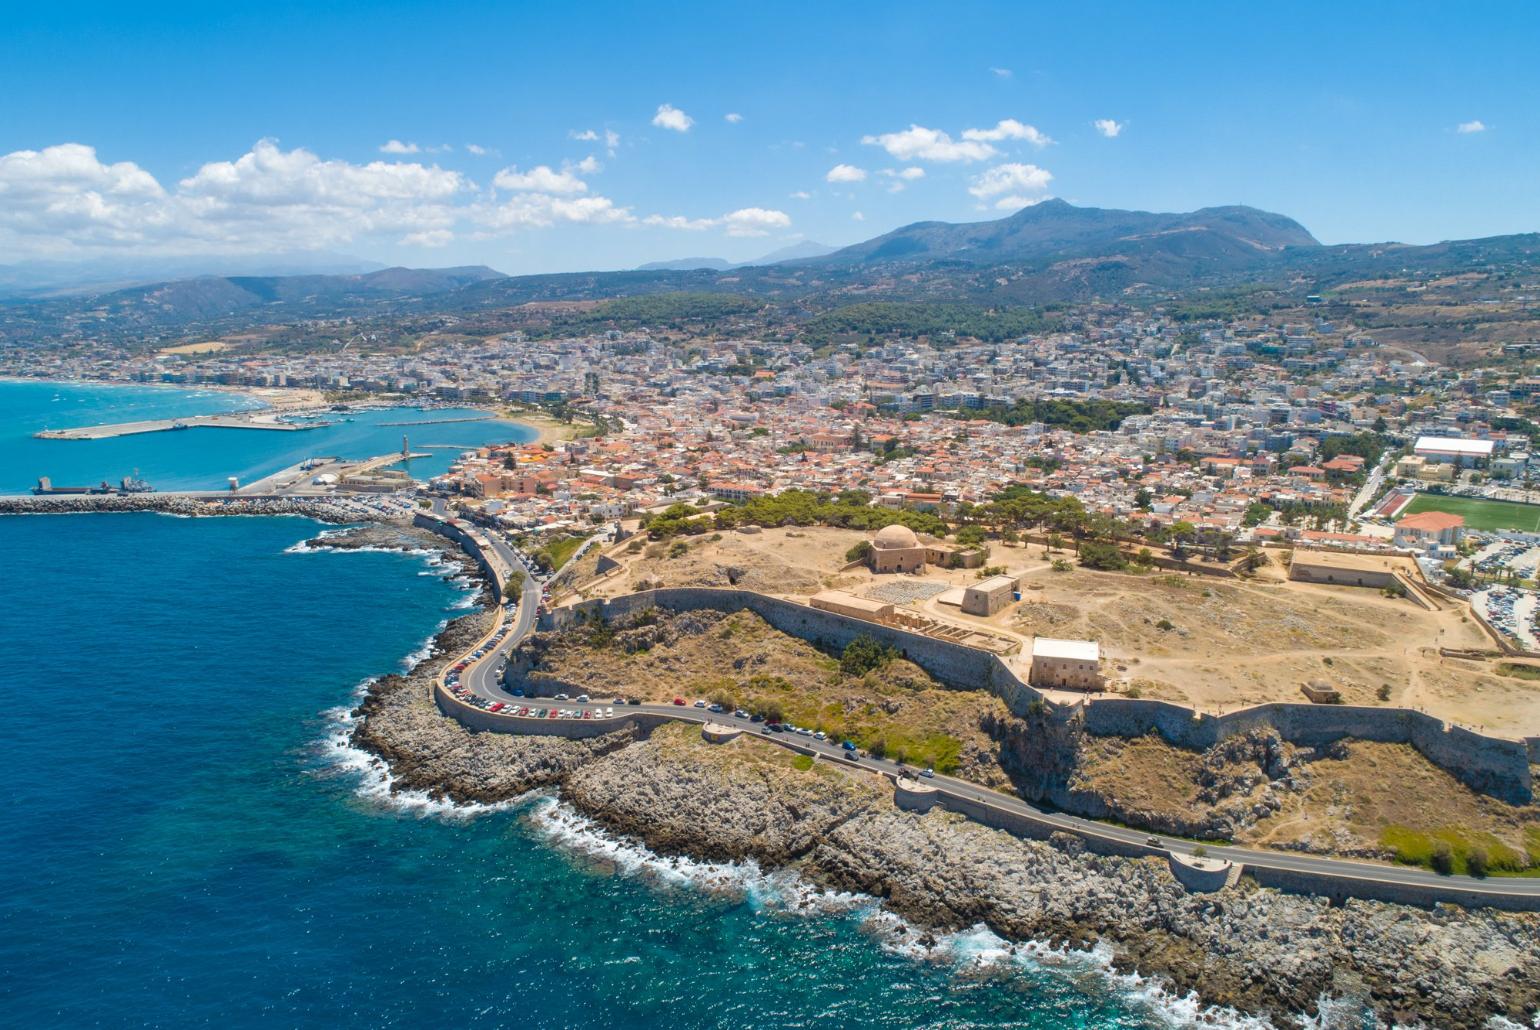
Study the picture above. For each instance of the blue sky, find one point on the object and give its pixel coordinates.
(248, 129)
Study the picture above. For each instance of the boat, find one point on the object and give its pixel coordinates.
(134, 485)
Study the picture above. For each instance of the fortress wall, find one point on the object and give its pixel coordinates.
(1490, 764)
(954, 665)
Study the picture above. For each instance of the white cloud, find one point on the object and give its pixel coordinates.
(1002, 73)
(747, 221)
(1015, 203)
(1107, 127)
(918, 143)
(65, 202)
(539, 179)
(846, 173)
(477, 149)
(856, 216)
(898, 178)
(670, 117)
(1474, 125)
(801, 195)
(610, 137)
(589, 165)
(539, 210)
(1010, 178)
(395, 146)
(732, 117)
(1008, 128)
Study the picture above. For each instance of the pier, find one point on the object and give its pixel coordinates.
(161, 425)
(441, 421)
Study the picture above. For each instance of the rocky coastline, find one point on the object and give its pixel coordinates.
(1253, 949)
(177, 504)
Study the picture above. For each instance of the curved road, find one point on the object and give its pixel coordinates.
(483, 678)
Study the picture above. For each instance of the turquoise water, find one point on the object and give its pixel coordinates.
(204, 458)
(185, 843)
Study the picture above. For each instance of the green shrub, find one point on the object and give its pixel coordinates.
(802, 762)
(863, 654)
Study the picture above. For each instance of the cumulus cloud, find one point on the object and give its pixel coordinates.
(395, 146)
(846, 173)
(589, 165)
(540, 210)
(856, 216)
(670, 117)
(64, 201)
(1019, 180)
(1107, 127)
(586, 135)
(540, 179)
(898, 178)
(801, 195)
(732, 117)
(918, 143)
(1008, 128)
(1002, 73)
(1474, 125)
(747, 221)
(477, 149)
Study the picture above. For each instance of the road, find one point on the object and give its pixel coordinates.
(483, 678)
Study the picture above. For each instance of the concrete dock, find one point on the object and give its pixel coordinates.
(161, 425)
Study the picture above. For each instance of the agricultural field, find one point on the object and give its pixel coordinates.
(1480, 513)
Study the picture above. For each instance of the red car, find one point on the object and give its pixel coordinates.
(496, 708)
(679, 701)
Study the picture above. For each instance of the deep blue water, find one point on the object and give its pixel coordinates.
(182, 843)
(202, 457)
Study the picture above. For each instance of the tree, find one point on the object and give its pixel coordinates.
(970, 536)
(1098, 554)
(1143, 500)
(860, 552)
(863, 654)
(514, 586)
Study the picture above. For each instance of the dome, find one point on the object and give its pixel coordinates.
(892, 538)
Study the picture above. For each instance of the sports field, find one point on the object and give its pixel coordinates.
(1480, 513)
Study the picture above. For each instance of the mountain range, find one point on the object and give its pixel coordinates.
(795, 252)
(1050, 252)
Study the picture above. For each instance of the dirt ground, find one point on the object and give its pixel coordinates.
(1352, 798)
(1214, 644)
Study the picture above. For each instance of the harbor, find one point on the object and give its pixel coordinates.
(162, 425)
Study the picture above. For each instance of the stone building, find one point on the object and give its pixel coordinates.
(991, 595)
(897, 549)
(1066, 664)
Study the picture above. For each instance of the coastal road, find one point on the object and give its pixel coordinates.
(483, 678)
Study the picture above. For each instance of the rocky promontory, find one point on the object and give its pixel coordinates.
(1257, 950)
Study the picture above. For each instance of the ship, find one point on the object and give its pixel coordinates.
(134, 485)
(127, 485)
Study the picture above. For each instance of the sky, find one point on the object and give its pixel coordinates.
(560, 137)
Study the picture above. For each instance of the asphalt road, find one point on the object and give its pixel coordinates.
(484, 680)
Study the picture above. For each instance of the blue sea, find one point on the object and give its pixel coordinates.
(187, 840)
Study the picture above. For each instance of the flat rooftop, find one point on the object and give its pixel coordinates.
(1453, 445)
(1073, 650)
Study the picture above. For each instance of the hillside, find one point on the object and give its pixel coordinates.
(1056, 230)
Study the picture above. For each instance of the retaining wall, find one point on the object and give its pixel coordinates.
(1340, 887)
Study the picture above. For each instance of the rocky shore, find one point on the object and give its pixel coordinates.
(175, 504)
(1257, 950)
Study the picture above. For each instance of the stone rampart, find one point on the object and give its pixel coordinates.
(1491, 764)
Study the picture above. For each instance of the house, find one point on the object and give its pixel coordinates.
(1429, 527)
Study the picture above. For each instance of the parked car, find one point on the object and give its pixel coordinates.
(679, 701)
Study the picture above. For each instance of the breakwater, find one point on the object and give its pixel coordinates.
(319, 508)
(163, 425)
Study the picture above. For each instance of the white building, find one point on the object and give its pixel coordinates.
(1454, 450)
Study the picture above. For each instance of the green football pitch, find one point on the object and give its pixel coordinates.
(1480, 513)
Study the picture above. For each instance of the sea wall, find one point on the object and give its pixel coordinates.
(1490, 764)
(469, 542)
